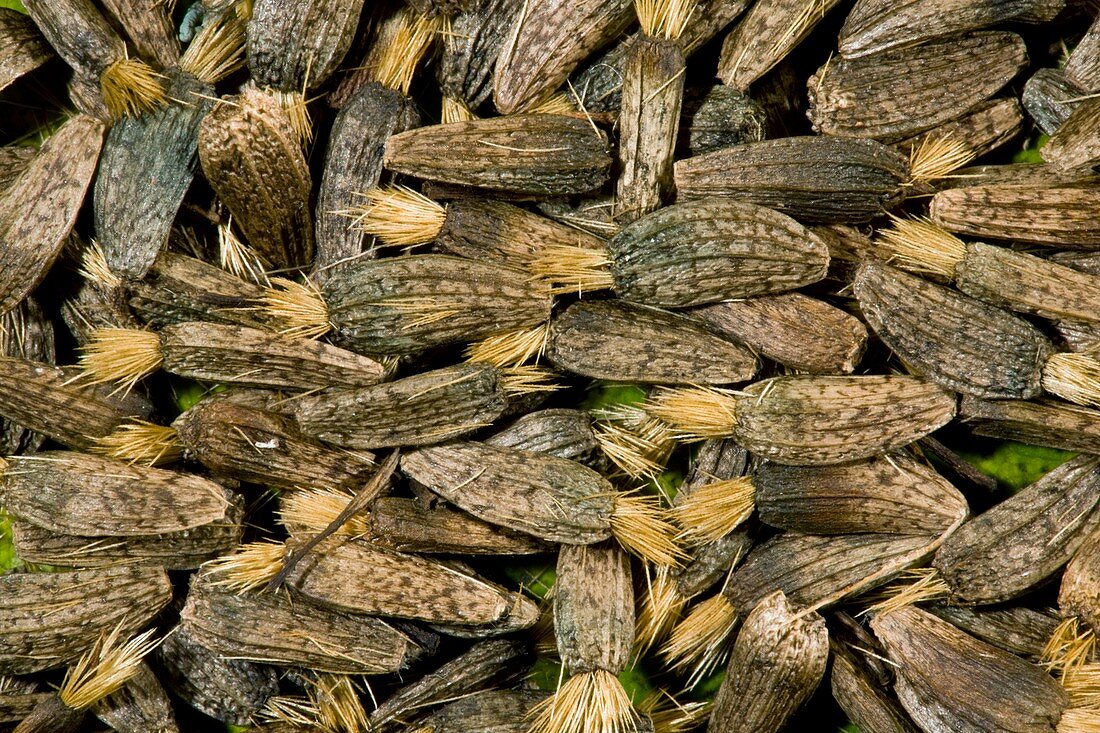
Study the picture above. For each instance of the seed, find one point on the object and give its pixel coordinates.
(25, 333)
(1058, 215)
(24, 48)
(1050, 98)
(1083, 63)
(720, 118)
(465, 66)
(151, 29)
(481, 712)
(989, 126)
(296, 47)
(1052, 424)
(863, 695)
(1077, 596)
(558, 432)
(1074, 145)
(1017, 629)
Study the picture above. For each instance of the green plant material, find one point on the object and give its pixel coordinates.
(637, 683)
(850, 728)
(14, 5)
(546, 673)
(537, 577)
(8, 559)
(1030, 154)
(1015, 464)
(602, 395)
(230, 728)
(668, 483)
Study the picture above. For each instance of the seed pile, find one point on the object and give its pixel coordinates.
(351, 354)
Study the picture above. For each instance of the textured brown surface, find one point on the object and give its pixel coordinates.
(294, 46)
(465, 66)
(491, 711)
(558, 431)
(1050, 98)
(990, 125)
(594, 608)
(26, 332)
(178, 288)
(1076, 144)
(862, 697)
(1053, 424)
(1020, 630)
(1083, 64)
(79, 34)
(1078, 595)
(719, 118)
(406, 525)
(22, 47)
(140, 706)
(149, 26)
(1053, 215)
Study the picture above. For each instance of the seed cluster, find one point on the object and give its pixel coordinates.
(351, 354)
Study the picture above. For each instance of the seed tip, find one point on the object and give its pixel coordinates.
(131, 87)
(588, 702)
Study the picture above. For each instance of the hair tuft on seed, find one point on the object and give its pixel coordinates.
(701, 642)
(409, 43)
(252, 566)
(453, 110)
(237, 258)
(141, 442)
(937, 157)
(555, 103)
(122, 355)
(399, 216)
(338, 704)
(1074, 377)
(301, 308)
(1082, 683)
(589, 702)
(570, 269)
(297, 113)
(662, 606)
(920, 246)
(217, 51)
(669, 715)
(131, 87)
(639, 524)
(94, 267)
(695, 413)
(518, 381)
(1079, 720)
(665, 19)
(511, 349)
(633, 454)
(1069, 648)
(918, 585)
(313, 510)
(104, 668)
(711, 512)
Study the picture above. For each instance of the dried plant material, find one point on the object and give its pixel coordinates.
(105, 668)
(139, 705)
(712, 511)
(920, 246)
(986, 128)
(923, 585)
(1074, 145)
(22, 47)
(26, 332)
(296, 47)
(130, 87)
(719, 118)
(464, 68)
(961, 343)
(1069, 648)
(861, 694)
(936, 156)
(1017, 629)
(237, 258)
(300, 306)
(511, 349)
(537, 154)
(1077, 594)
(1045, 524)
(399, 59)
(662, 606)
(1073, 377)
(813, 179)
(621, 342)
(271, 628)
(588, 702)
(18, 697)
(1083, 63)
(81, 604)
(399, 216)
(638, 450)
(776, 664)
(150, 27)
(488, 711)
(14, 159)
(876, 25)
(570, 269)
(946, 677)
(765, 35)
(557, 431)
(942, 80)
(38, 211)
(1050, 423)
(1058, 215)
(1050, 97)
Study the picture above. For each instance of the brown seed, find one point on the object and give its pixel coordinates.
(18, 697)
(1049, 423)
(1076, 144)
(987, 127)
(1050, 98)
(1059, 215)
(465, 66)
(138, 706)
(22, 47)
(1017, 629)
(488, 711)
(1083, 64)
(719, 118)
(1077, 595)
(861, 694)
(150, 27)
(558, 431)
(297, 46)
(26, 332)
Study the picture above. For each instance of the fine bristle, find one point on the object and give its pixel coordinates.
(569, 269)
(661, 607)
(236, 257)
(556, 103)
(252, 566)
(701, 642)
(131, 87)
(664, 18)
(511, 349)
(104, 668)
(453, 110)
(1079, 720)
(518, 381)
(297, 112)
(142, 442)
(399, 216)
(294, 711)
(122, 355)
(94, 267)
(633, 454)
(919, 585)
(669, 715)
(301, 308)
(1083, 686)
(217, 51)
(546, 643)
(694, 413)
(936, 157)
(1069, 648)
(920, 246)
(338, 705)
(1073, 377)
(409, 43)
(812, 12)
(590, 702)
(313, 510)
(639, 524)
(711, 512)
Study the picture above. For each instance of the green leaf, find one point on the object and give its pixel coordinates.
(607, 394)
(850, 728)
(14, 5)
(545, 673)
(1030, 154)
(1015, 464)
(8, 559)
(636, 683)
(230, 728)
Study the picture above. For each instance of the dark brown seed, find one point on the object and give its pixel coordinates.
(26, 332)
(295, 47)
(1060, 215)
(1077, 595)
(534, 153)
(140, 706)
(558, 432)
(989, 126)
(813, 179)
(622, 342)
(18, 697)
(179, 288)
(81, 605)
(465, 66)
(894, 94)
(406, 525)
(862, 697)
(593, 608)
(719, 118)
(1013, 174)
(948, 680)
(1083, 64)
(38, 211)
(150, 27)
(1017, 629)
(22, 47)
(52, 716)
(1053, 424)
(1042, 525)
(793, 329)
(777, 663)
(1049, 98)
(959, 342)
(489, 711)
(79, 34)
(1076, 144)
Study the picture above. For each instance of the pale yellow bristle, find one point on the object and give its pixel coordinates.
(936, 157)
(546, 643)
(252, 566)
(639, 523)
(556, 103)
(661, 607)
(297, 113)
(511, 349)
(1082, 683)
(217, 51)
(569, 269)
(1079, 720)
(94, 267)
(121, 355)
(919, 585)
(338, 705)
(665, 19)
(633, 454)
(453, 110)
(410, 41)
(300, 308)
(518, 381)
(1069, 648)
(103, 669)
(1073, 377)
(701, 642)
(142, 442)
(694, 413)
(238, 258)
(711, 512)
(399, 216)
(131, 87)
(313, 510)
(918, 245)
(290, 710)
(589, 702)
(669, 715)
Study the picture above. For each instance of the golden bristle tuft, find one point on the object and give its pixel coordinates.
(236, 257)
(338, 705)
(711, 512)
(94, 267)
(122, 355)
(104, 668)
(511, 349)
(546, 643)
(589, 702)
(638, 522)
(300, 307)
(917, 585)
(569, 269)
(217, 51)
(662, 605)
(936, 157)
(518, 381)
(1079, 720)
(297, 113)
(920, 246)
(694, 413)
(313, 510)
(669, 715)
(290, 710)
(410, 41)
(633, 454)
(399, 216)
(555, 103)
(4, 463)
(141, 442)
(1069, 648)
(701, 642)
(1082, 683)
(131, 87)
(453, 110)
(665, 19)
(252, 566)
(1073, 377)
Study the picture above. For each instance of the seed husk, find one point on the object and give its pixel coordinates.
(1017, 629)
(793, 329)
(1044, 524)
(777, 662)
(138, 706)
(861, 694)
(295, 47)
(38, 211)
(528, 153)
(986, 128)
(465, 66)
(150, 28)
(813, 179)
(1058, 215)
(25, 333)
(488, 711)
(941, 79)
(18, 697)
(1076, 144)
(1050, 97)
(557, 431)
(621, 342)
(948, 680)
(719, 118)
(81, 604)
(271, 628)
(1077, 595)
(22, 47)
(14, 159)
(1083, 64)
(1047, 423)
